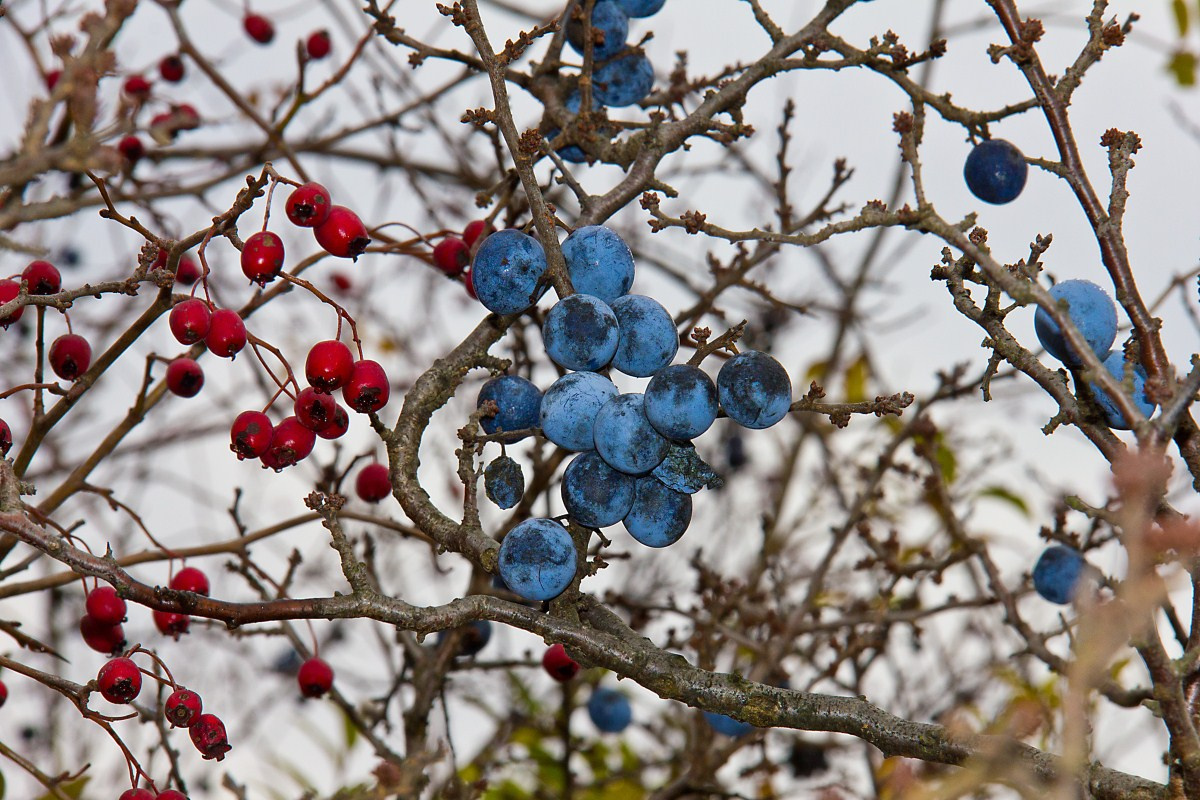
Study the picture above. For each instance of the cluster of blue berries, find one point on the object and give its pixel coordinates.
(636, 463)
(623, 76)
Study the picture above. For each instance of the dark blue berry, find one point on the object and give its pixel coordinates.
(995, 171)
(659, 515)
(518, 403)
(595, 494)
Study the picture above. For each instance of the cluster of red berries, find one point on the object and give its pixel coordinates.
(187, 271)
(70, 354)
(452, 255)
(192, 321)
(105, 610)
(262, 30)
(330, 366)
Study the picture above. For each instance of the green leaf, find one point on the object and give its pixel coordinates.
(856, 380)
(1008, 496)
(1183, 66)
(816, 372)
(947, 461)
(73, 789)
(1181, 16)
(351, 731)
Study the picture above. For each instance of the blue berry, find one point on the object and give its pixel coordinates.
(684, 471)
(1091, 310)
(607, 19)
(574, 153)
(995, 171)
(727, 726)
(1056, 574)
(1115, 364)
(755, 390)
(625, 438)
(517, 401)
(623, 81)
(475, 637)
(504, 482)
(595, 494)
(659, 515)
(640, 8)
(537, 559)
(681, 401)
(569, 408)
(599, 262)
(610, 710)
(508, 270)
(648, 338)
(581, 332)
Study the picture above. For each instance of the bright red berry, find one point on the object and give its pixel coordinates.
(262, 257)
(100, 636)
(120, 681)
(250, 435)
(314, 409)
(208, 734)
(291, 443)
(171, 69)
(42, 277)
(560, 665)
(3, 693)
(342, 234)
(373, 483)
(70, 356)
(188, 271)
(171, 794)
(105, 606)
(137, 794)
(341, 423)
(6, 437)
(190, 579)
(451, 255)
(318, 45)
(184, 377)
(259, 28)
(328, 366)
(308, 205)
(190, 320)
(476, 229)
(170, 623)
(226, 333)
(315, 677)
(182, 708)
(368, 388)
(9, 289)
(137, 87)
(131, 149)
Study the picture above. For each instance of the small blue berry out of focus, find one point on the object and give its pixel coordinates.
(609, 709)
(1056, 574)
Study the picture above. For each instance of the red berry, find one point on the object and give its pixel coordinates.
(6, 437)
(308, 206)
(120, 681)
(318, 45)
(137, 794)
(341, 282)
(259, 28)
(290, 443)
(9, 289)
(182, 708)
(3, 693)
(373, 483)
(328, 366)
(262, 257)
(188, 271)
(171, 794)
(105, 606)
(315, 677)
(42, 277)
(560, 665)
(250, 435)
(190, 320)
(184, 377)
(476, 230)
(314, 410)
(342, 234)
(131, 149)
(171, 69)
(187, 118)
(341, 423)
(52, 78)
(208, 734)
(137, 87)
(368, 388)
(170, 623)
(190, 579)
(226, 334)
(468, 280)
(451, 255)
(100, 636)
(70, 356)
